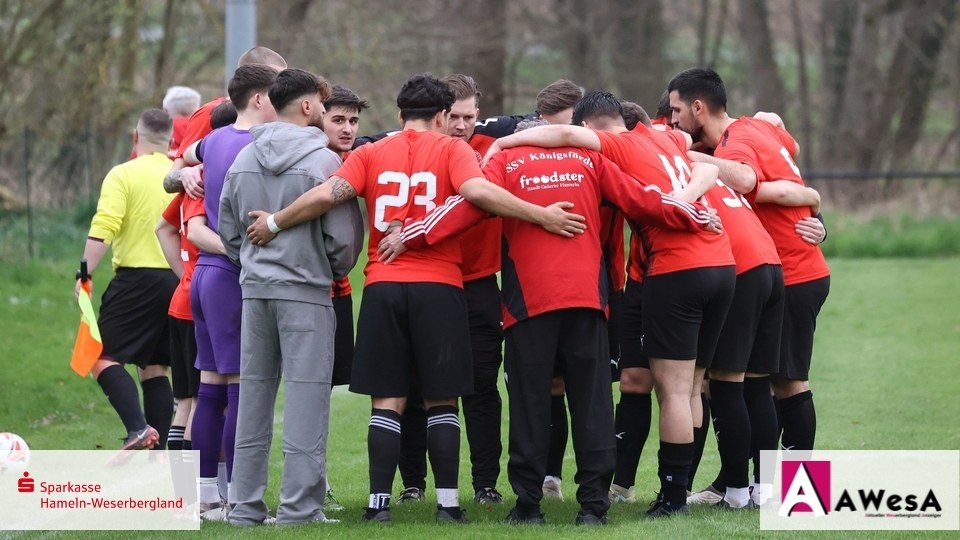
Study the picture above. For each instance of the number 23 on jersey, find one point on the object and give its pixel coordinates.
(397, 207)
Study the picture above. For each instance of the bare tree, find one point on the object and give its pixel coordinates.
(637, 50)
(755, 31)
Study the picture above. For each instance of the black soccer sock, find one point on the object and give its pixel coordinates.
(120, 389)
(763, 419)
(413, 447)
(731, 423)
(632, 423)
(175, 438)
(187, 445)
(674, 469)
(383, 449)
(699, 440)
(158, 406)
(799, 421)
(558, 436)
(443, 443)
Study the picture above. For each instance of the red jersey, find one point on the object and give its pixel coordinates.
(659, 159)
(766, 149)
(198, 126)
(341, 287)
(480, 244)
(543, 271)
(178, 213)
(405, 176)
(749, 241)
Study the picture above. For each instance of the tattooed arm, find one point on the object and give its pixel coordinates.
(310, 205)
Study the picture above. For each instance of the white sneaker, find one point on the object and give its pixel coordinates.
(216, 511)
(551, 488)
(708, 496)
(621, 495)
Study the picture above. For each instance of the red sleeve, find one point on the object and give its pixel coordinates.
(737, 150)
(193, 208)
(198, 126)
(677, 137)
(354, 169)
(450, 219)
(171, 214)
(462, 163)
(648, 206)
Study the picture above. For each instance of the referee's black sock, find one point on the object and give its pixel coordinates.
(120, 389)
(558, 436)
(632, 424)
(699, 439)
(799, 421)
(763, 419)
(383, 448)
(674, 471)
(731, 423)
(443, 447)
(158, 406)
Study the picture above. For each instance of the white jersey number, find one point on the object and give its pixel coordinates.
(404, 185)
(679, 171)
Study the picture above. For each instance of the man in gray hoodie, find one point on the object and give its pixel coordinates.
(288, 319)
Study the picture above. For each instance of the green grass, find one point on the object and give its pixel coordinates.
(891, 236)
(885, 377)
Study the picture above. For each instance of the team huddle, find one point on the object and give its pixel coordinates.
(243, 285)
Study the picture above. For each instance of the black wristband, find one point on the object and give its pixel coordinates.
(819, 216)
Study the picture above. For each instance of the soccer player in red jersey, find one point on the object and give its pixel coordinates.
(688, 278)
(413, 318)
(750, 154)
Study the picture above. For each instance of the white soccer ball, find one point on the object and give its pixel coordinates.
(14, 452)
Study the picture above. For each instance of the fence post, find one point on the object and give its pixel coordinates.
(26, 180)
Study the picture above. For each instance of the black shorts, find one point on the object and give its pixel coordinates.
(183, 357)
(750, 339)
(683, 312)
(408, 330)
(343, 340)
(631, 334)
(801, 307)
(133, 316)
(614, 330)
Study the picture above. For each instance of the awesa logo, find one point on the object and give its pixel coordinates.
(805, 487)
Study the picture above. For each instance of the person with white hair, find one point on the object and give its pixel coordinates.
(180, 102)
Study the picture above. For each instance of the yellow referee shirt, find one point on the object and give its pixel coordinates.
(131, 202)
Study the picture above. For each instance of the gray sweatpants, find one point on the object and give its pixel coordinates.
(295, 339)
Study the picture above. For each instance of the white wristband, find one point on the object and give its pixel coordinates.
(272, 225)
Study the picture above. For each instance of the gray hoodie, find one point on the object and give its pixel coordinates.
(283, 162)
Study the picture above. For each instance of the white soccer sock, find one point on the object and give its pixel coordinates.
(447, 497)
(208, 490)
(737, 497)
(379, 501)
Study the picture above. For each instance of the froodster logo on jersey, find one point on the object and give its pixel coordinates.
(557, 179)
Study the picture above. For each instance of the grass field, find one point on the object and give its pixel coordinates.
(885, 376)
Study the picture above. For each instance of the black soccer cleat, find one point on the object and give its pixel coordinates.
(411, 494)
(661, 508)
(451, 514)
(521, 517)
(377, 515)
(589, 519)
(488, 496)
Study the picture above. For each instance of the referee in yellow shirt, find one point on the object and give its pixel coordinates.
(133, 311)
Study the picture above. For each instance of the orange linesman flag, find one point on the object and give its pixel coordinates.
(89, 345)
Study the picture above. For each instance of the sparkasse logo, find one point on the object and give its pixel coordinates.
(25, 484)
(806, 488)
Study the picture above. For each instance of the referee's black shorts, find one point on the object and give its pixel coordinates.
(412, 330)
(684, 311)
(802, 305)
(133, 316)
(750, 339)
